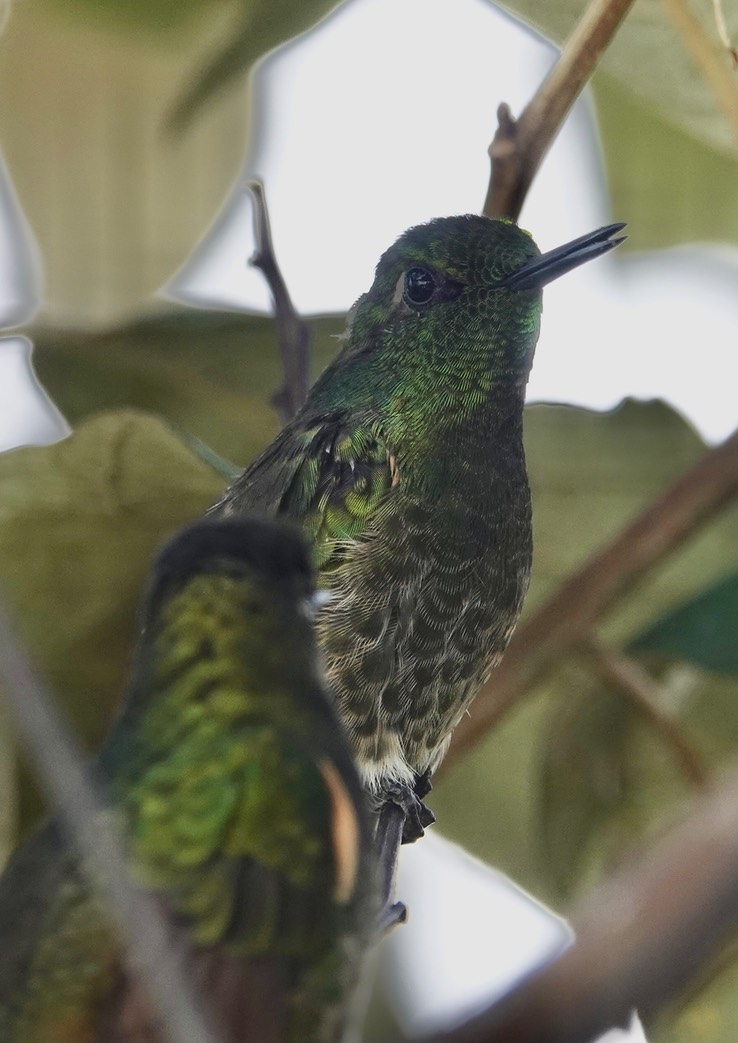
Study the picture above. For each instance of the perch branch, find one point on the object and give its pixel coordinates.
(638, 687)
(293, 333)
(389, 839)
(566, 618)
(150, 949)
(519, 145)
(640, 937)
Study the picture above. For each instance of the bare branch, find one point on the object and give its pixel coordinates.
(566, 618)
(640, 937)
(519, 146)
(293, 333)
(639, 688)
(151, 950)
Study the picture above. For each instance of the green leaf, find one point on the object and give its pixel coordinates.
(639, 146)
(115, 206)
(653, 57)
(704, 631)
(209, 373)
(79, 522)
(260, 27)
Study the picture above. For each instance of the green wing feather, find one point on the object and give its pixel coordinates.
(235, 833)
(329, 476)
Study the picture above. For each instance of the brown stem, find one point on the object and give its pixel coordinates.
(293, 333)
(519, 146)
(640, 937)
(566, 618)
(707, 57)
(638, 687)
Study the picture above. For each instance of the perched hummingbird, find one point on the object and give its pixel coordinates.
(405, 469)
(243, 813)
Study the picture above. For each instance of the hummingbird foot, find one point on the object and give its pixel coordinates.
(394, 913)
(423, 784)
(417, 815)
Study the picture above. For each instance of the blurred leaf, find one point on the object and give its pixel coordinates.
(79, 522)
(261, 25)
(590, 473)
(582, 776)
(640, 146)
(115, 206)
(704, 631)
(599, 730)
(162, 15)
(209, 373)
(653, 58)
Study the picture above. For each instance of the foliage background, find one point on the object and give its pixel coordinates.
(116, 200)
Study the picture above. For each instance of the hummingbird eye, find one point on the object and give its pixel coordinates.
(420, 285)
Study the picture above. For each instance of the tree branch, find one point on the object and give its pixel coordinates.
(293, 333)
(150, 949)
(640, 937)
(635, 684)
(566, 618)
(519, 146)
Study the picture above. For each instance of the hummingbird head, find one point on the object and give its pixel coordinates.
(267, 555)
(454, 310)
(248, 583)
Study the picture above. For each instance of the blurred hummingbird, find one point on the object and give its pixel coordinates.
(405, 469)
(243, 814)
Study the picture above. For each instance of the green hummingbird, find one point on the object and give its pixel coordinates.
(243, 814)
(405, 470)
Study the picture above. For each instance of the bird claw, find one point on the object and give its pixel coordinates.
(417, 815)
(394, 913)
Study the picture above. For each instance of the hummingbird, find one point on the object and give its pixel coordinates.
(241, 808)
(405, 469)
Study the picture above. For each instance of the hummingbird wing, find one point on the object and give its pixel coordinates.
(256, 846)
(330, 475)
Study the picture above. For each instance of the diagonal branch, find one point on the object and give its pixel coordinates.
(150, 949)
(519, 145)
(293, 333)
(635, 684)
(567, 617)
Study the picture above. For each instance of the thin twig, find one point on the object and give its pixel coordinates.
(519, 146)
(640, 937)
(708, 59)
(152, 953)
(566, 618)
(722, 28)
(641, 691)
(293, 333)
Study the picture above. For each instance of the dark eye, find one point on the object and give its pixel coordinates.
(420, 285)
